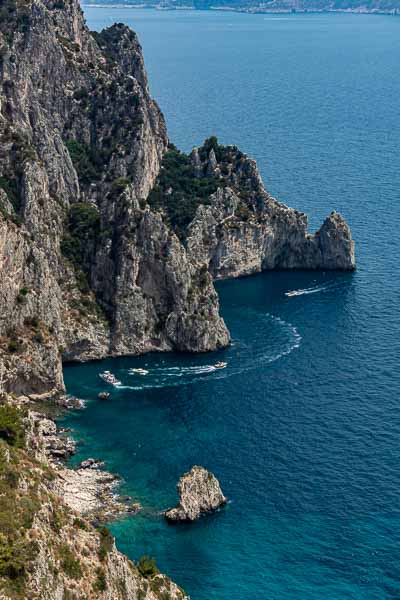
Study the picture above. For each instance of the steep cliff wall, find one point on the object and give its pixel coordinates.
(230, 224)
(87, 269)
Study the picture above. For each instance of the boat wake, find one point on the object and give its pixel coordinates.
(305, 291)
(314, 289)
(275, 340)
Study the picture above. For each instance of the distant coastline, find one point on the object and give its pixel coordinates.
(249, 10)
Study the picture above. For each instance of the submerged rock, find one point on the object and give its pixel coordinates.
(91, 463)
(199, 492)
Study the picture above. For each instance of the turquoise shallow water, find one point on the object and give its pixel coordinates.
(303, 427)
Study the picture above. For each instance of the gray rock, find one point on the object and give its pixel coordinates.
(59, 84)
(244, 230)
(199, 492)
(91, 463)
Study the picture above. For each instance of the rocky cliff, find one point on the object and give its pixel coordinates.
(199, 492)
(87, 270)
(109, 240)
(233, 226)
(48, 550)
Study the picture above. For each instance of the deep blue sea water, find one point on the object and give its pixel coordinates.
(303, 427)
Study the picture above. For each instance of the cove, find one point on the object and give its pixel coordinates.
(286, 428)
(302, 428)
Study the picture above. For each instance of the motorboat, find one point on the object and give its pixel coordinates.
(139, 371)
(220, 365)
(104, 395)
(109, 378)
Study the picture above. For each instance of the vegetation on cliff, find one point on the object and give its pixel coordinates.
(179, 192)
(18, 504)
(79, 241)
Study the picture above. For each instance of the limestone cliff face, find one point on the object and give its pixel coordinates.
(87, 270)
(244, 230)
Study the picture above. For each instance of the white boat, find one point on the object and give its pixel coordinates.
(109, 378)
(139, 371)
(220, 365)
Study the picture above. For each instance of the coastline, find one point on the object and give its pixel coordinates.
(89, 489)
(250, 11)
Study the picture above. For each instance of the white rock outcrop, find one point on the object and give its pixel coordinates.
(199, 492)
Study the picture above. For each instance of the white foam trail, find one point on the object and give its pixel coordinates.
(305, 291)
(251, 355)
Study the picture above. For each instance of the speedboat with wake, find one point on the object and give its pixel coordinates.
(139, 371)
(220, 365)
(109, 378)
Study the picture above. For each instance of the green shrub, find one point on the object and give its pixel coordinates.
(18, 507)
(106, 542)
(100, 585)
(147, 566)
(14, 346)
(179, 192)
(118, 185)
(38, 337)
(80, 524)
(79, 242)
(14, 557)
(84, 161)
(32, 322)
(81, 94)
(10, 187)
(11, 426)
(70, 565)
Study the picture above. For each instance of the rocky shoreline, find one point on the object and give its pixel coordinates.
(57, 547)
(88, 490)
(110, 239)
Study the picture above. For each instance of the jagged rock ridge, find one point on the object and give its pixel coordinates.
(233, 226)
(87, 269)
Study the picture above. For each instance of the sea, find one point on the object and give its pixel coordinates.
(302, 428)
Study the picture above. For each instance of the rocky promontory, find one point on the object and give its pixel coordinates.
(199, 492)
(109, 236)
(109, 242)
(243, 230)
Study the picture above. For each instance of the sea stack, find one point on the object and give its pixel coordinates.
(199, 492)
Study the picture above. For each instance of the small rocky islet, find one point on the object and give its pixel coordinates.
(110, 239)
(199, 493)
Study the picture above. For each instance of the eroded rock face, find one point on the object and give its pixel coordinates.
(244, 230)
(199, 492)
(79, 129)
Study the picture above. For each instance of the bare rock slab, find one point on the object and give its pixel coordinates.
(199, 492)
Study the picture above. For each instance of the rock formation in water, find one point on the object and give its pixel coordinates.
(233, 226)
(87, 270)
(199, 492)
